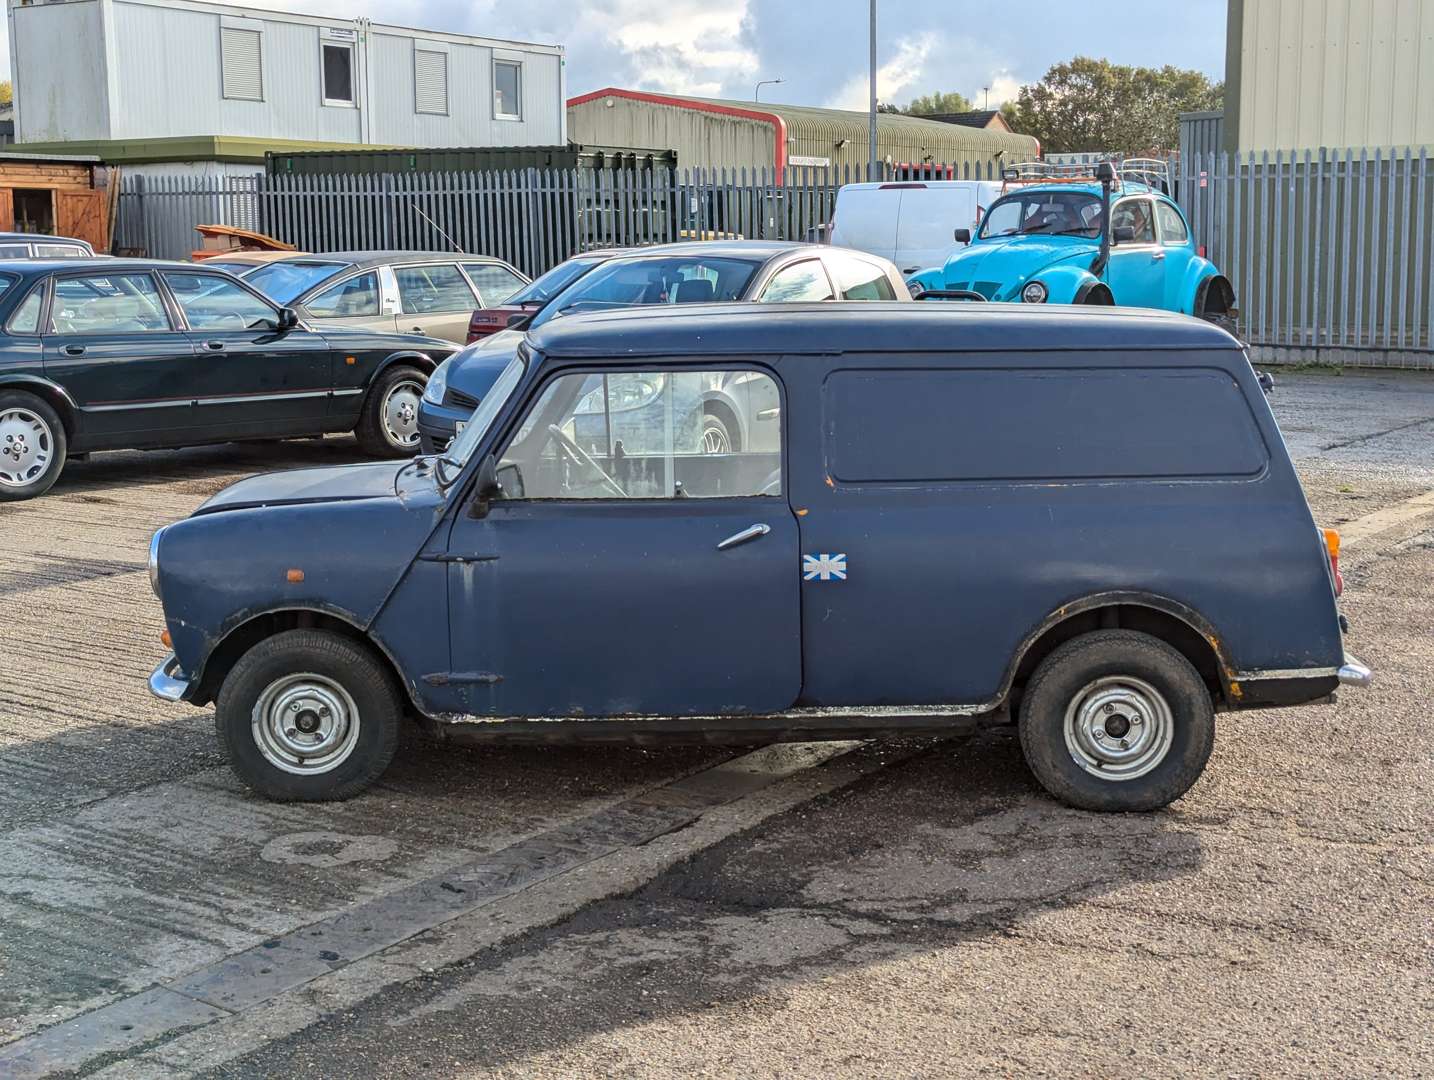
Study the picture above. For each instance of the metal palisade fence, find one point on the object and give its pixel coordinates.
(1330, 253)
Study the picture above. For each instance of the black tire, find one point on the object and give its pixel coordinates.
(326, 659)
(1068, 677)
(51, 439)
(374, 434)
(717, 425)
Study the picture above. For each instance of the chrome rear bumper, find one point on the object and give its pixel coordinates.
(1353, 673)
(167, 681)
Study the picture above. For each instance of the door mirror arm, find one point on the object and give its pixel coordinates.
(486, 489)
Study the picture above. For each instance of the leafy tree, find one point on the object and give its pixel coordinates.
(7, 93)
(935, 104)
(1094, 105)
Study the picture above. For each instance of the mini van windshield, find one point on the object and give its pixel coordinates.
(462, 447)
(1047, 213)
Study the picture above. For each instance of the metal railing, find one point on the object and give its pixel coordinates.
(1329, 252)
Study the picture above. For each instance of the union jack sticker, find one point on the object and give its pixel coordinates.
(824, 567)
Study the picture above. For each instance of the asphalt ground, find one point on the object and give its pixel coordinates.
(918, 908)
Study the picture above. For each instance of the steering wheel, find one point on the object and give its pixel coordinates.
(578, 456)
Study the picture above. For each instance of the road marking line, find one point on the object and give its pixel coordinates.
(248, 979)
(1353, 532)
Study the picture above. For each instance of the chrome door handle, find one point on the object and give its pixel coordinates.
(751, 532)
(1157, 256)
(75, 350)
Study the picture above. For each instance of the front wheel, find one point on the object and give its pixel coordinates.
(32, 446)
(389, 424)
(308, 716)
(1117, 721)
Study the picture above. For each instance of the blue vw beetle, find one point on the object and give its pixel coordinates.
(1083, 519)
(1113, 238)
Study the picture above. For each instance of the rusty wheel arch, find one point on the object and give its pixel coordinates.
(1180, 626)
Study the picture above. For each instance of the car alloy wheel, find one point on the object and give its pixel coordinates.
(27, 446)
(715, 439)
(400, 413)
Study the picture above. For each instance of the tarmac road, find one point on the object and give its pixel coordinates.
(917, 908)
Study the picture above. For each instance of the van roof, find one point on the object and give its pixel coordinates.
(765, 329)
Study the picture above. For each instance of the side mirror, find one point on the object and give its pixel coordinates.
(518, 320)
(963, 236)
(288, 318)
(1123, 234)
(486, 488)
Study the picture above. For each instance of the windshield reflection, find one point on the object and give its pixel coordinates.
(462, 447)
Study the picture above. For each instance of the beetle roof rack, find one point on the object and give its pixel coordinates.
(1152, 172)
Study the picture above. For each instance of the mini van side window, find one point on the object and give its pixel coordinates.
(648, 435)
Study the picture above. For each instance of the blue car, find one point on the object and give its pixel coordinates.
(1083, 521)
(1115, 238)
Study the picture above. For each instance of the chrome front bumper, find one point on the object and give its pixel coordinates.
(168, 681)
(1353, 673)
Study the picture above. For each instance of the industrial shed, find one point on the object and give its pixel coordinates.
(712, 134)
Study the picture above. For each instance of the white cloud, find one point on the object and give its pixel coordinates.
(905, 68)
(1004, 87)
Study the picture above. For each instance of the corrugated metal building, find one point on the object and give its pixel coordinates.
(1305, 74)
(713, 134)
(99, 75)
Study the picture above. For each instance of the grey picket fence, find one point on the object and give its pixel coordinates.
(1330, 252)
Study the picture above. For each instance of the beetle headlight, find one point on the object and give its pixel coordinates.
(154, 561)
(1034, 293)
(625, 391)
(437, 385)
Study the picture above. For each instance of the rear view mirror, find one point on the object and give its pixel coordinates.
(518, 320)
(288, 318)
(963, 236)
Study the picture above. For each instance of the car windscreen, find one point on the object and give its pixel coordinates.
(1047, 213)
(553, 282)
(287, 281)
(661, 280)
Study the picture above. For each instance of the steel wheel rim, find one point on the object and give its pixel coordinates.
(400, 412)
(305, 724)
(27, 446)
(1119, 727)
(714, 440)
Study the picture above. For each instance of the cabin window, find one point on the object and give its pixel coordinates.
(242, 62)
(430, 81)
(507, 90)
(338, 74)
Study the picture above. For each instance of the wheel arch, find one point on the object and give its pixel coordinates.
(1096, 293)
(1178, 625)
(258, 626)
(1214, 295)
(52, 394)
(718, 404)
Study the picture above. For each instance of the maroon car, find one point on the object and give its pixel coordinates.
(535, 294)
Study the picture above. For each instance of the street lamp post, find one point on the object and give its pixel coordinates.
(871, 173)
(757, 93)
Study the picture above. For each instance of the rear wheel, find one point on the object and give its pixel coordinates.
(1118, 721)
(308, 716)
(716, 435)
(32, 446)
(389, 424)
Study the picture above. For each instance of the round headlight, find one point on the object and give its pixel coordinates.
(1034, 293)
(154, 561)
(437, 385)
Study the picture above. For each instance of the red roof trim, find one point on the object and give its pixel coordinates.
(779, 126)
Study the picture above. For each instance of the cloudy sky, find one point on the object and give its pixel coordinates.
(719, 48)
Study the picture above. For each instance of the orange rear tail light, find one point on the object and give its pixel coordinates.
(1331, 545)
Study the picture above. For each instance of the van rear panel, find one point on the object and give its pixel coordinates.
(911, 223)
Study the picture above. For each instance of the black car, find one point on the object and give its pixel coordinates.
(108, 354)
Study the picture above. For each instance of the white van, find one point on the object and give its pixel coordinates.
(910, 222)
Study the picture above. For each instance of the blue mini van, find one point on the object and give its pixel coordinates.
(1084, 519)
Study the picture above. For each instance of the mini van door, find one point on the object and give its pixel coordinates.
(622, 569)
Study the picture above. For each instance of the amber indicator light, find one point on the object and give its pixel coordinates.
(295, 576)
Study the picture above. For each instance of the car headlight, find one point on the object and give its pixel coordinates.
(437, 385)
(623, 392)
(154, 561)
(1034, 293)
